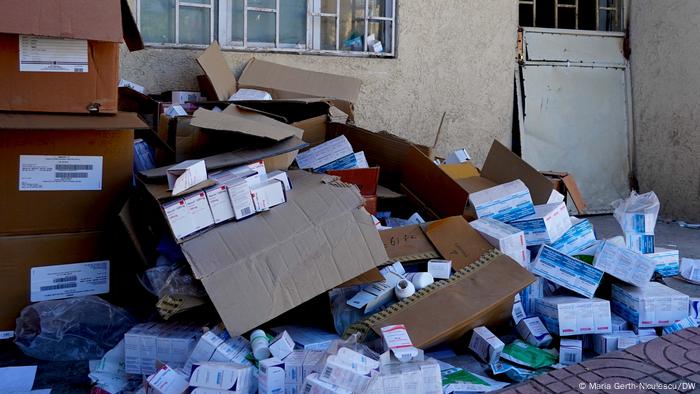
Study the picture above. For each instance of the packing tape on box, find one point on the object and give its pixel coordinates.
(364, 327)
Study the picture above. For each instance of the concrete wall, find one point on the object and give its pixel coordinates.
(453, 55)
(665, 82)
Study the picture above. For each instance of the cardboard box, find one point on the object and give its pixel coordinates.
(486, 345)
(640, 242)
(366, 179)
(624, 264)
(505, 202)
(546, 225)
(186, 175)
(310, 362)
(655, 305)
(20, 254)
(396, 340)
(82, 164)
(314, 385)
(188, 214)
(533, 331)
(565, 184)
(484, 297)
(167, 380)
(271, 377)
(569, 316)
(219, 203)
(508, 239)
(577, 238)
(435, 189)
(149, 343)
(570, 351)
(63, 56)
(567, 271)
(268, 194)
(618, 323)
(322, 238)
(606, 343)
(282, 345)
(233, 378)
(667, 261)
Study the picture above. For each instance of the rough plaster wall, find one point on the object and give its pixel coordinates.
(453, 55)
(665, 82)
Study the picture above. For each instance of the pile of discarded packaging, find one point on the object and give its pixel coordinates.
(256, 240)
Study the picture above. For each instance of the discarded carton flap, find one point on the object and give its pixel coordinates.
(29, 121)
(571, 188)
(385, 192)
(78, 19)
(259, 268)
(370, 276)
(235, 158)
(246, 122)
(460, 170)
(475, 184)
(290, 82)
(432, 187)
(456, 240)
(407, 243)
(217, 70)
(502, 166)
(484, 296)
(161, 192)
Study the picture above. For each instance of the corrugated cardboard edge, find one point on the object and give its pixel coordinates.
(245, 122)
(30, 121)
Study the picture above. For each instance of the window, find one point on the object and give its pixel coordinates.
(360, 27)
(604, 15)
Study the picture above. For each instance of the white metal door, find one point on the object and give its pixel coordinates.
(575, 110)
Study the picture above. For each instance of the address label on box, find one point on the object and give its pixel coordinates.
(58, 173)
(56, 55)
(7, 335)
(69, 280)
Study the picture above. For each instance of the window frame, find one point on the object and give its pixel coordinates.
(619, 10)
(223, 20)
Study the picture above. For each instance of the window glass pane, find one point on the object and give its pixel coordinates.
(381, 30)
(263, 3)
(567, 18)
(545, 13)
(261, 26)
(352, 25)
(570, 2)
(158, 21)
(381, 8)
(586, 14)
(328, 6)
(236, 20)
(328, 33)
(526, 15)
(608, 3)
(293, 22)
(195, 25)
(208, 2)
(609, 20)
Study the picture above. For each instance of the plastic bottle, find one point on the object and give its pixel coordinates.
(260, 345)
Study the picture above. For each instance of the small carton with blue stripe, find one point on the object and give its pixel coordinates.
(223, 377)
(577, 238)
(546, 225)
(567, 271)
(694, 308)
(508, 239)
(655, 305)
(624, 264)
(637, 213)
(505, 202)
(567, 315)
(667, 261)
(533, 331)
(640, 242)
(688, 322)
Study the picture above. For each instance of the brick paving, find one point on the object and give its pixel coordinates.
(669, 364)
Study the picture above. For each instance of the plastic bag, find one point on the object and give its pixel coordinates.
(637, 213)
(70, 330)
(164, 281)
(343, 314)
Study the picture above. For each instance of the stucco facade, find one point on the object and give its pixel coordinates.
(665, 85)
(453, 56)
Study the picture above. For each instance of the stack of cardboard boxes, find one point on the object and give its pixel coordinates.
(65, 152)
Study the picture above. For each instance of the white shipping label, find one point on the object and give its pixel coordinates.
(56, 173)
(56, 55)
(69, 280)
(7, 334)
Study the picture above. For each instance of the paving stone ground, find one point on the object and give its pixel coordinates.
(668, 364)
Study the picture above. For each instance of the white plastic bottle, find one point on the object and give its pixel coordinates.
(260, 345)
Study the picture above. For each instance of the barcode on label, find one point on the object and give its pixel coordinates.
(327, 373)
(245, 211)
(70, 175)
(73, 167)
(58, 287)
(570, 357)
(71, 278)
(519, 315)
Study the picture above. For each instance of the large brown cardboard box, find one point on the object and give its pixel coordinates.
(52, 75)
(19, 254)
(63, 173)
